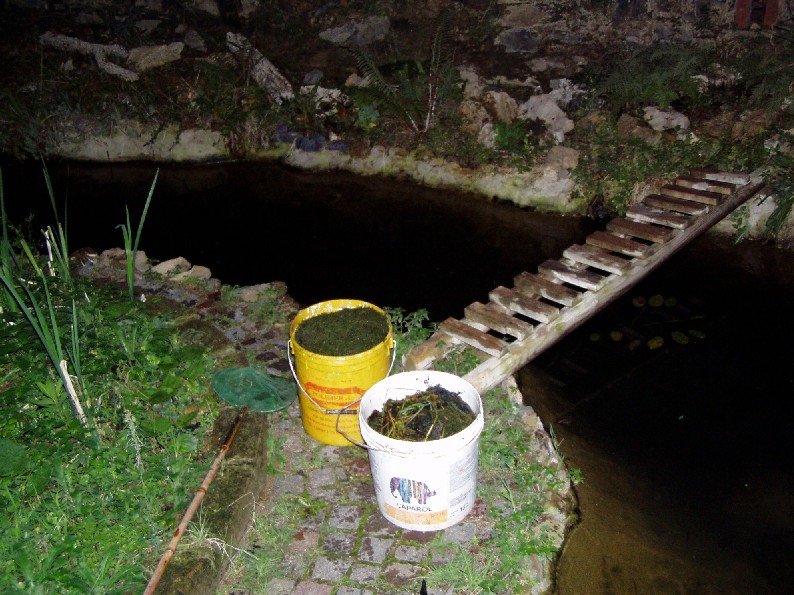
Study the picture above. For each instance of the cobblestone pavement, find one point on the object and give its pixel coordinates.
(348, 547)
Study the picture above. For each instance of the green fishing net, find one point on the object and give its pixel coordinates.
(254, 389)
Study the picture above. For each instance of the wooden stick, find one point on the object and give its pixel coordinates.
(191, 510)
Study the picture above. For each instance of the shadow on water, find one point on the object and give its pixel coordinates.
(685, 449)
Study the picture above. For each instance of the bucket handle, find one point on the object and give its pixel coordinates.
(338, 417)
(344, 410)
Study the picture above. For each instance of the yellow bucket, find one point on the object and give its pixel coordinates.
(330, 387)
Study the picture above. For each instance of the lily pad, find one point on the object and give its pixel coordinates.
(254, 389)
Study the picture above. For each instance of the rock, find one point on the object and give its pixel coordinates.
(262, 70)
(285, 134)
(487, 136)
(521, 15)
(666, 120)
(326, 100)
(194, 41)
(473, 87)
(172, 267)
(147, 57)
(208, 6)
(360, 33)
(631, 126)
(88, 18)
(752, 123)
(312, 77)
(545, 109)
(565, 91)
(720, 125)
(562, 157)
(355, 80)
(310, 144)
(501, 106)
(473, 114)
(195, 272)
(338, 145)
(148, 26)
(517, 40)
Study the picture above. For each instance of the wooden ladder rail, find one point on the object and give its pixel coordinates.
(632, 247)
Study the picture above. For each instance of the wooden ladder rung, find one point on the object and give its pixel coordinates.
(671, 203)
(705, 184)
(644, 231)
(610, 241)
(579, 278)
(736, 179)
(495, 317)
(598, 258)
(472, 336)
(436, 347)
(547, 289)
(707, 197)
(527, 305)
(646, 214)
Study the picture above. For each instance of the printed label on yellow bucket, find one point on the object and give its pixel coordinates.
(329, 397)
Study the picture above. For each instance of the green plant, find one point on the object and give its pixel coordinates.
(416, 98)
(658, 75)
(410, 329)
(515, 481)
(42, 319)
(780, 173)
(90, 508)
(611, 166)
(130, 246)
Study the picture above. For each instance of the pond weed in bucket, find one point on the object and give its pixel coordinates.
(426, 485)
(333, 375)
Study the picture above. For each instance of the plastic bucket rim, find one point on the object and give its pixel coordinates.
(346, 304)
(461, 439)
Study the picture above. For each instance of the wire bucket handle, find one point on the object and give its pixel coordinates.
(344, 410)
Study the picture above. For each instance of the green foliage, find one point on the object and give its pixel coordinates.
(511, 137)
(658, 75)
(418, 89)
(516, 483)
(766, 77)
(130, 246)
(611, 166)
(89, 518)
(90, 504)
(780, 173)
(409, 329)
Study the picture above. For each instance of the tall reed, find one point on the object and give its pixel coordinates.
(130, 246)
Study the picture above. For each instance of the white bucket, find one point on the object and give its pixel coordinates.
(424, 486)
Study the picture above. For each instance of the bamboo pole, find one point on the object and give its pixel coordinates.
(191, 510)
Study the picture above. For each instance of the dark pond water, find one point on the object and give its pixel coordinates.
(327, 236)
(685, 449)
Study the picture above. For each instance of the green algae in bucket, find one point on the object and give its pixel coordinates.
(343, 332)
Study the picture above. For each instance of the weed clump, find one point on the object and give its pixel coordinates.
(432, 414)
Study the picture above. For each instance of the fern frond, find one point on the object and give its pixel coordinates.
(373, 74)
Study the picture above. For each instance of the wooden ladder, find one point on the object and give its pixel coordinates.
(519, 322)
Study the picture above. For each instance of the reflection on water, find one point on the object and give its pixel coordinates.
(685, 449)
